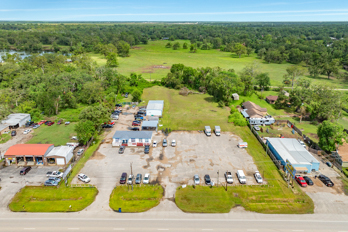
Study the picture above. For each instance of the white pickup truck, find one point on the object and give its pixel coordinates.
(54, 174)
(228, 177)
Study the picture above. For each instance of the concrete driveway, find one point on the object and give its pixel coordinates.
(11, 182)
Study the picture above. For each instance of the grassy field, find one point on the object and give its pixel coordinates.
(55, 134)
(52, 199)
(4, 138)
(196, 111)
(148, 59)
(141, 199)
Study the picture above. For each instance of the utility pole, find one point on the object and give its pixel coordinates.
(131, 173)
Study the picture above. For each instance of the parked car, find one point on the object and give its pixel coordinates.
(135, 129)
(56, 179)
(154, 144)
(74, 138)
(308, 180)
(141, 112)
(47, 122)
(107, 126)
(136, 123)
(28, 124)
(138, 178)
(302, 143)
(25, 170)
(115, 116)
(118, 105)
(54, 174)
(83, 178)
(13, 133)
(146, 179)
(196, 179)
(300, 181)
(173, 143)
(147, 149)
(126, 95)
(67, 123)
(164, 143)
(59, 122)
(138, 118)
(121, 150)
(228, 177)
(50, 123)
(130, 179)
(257, 128)
(241, 177)
(42, 122)
(27, 131)
(123, 178)
(329, 164)
(207, 180)
(51, 183)
(80, 151)
(326, 180)
(36, 126)
(258, 177)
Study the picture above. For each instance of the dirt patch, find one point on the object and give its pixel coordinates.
(136, 48)
(152, 68)
(97, 156)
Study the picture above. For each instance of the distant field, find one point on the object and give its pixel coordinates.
(148, 59)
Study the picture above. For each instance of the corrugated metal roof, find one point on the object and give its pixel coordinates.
(28, 150)
(149, 124)
(132, 134)
(14, 119)
(61, 151)
(292, 150)
(3, 126)
(155, 105)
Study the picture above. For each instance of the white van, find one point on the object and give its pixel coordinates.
(207, 130)
(241, 177)
(243, 145)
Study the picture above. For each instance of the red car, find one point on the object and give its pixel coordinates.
(136, 123)
(50, 123)
(42, 122)
(301, 181)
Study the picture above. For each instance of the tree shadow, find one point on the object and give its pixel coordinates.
(209, 99)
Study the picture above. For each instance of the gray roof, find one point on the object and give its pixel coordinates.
(149, 124)
(292, 150)
(155, 105)
(14, 119)
(132, 134)
(62, 151)
(3, 126)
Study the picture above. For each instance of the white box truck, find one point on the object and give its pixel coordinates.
(241, 177)
(207, 130)
(217, 130)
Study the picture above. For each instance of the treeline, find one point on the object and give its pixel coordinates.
(47, 84)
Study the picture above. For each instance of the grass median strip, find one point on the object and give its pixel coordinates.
(52, 199)
(141, 199)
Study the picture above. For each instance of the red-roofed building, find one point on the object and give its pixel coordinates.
(27, 154)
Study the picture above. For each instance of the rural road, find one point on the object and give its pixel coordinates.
(169, 222)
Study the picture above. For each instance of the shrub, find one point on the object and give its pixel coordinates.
(237, 119)
(233, 110)
(221, 104)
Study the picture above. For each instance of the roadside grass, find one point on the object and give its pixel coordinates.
(203, 199)
(52, 199)
(141, 199)
(81, 163)
(4, 138)
(55, 134)
(147, 59)
(193, 112)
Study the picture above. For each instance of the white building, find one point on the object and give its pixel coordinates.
(131, 138)
(155, 108)
(59, 155)
(15, 121)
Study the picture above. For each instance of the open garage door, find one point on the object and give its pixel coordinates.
(60, 161)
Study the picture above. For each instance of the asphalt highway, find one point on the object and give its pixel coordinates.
(113, 224)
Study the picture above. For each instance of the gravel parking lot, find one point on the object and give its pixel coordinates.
(195, 153)
(11, 182)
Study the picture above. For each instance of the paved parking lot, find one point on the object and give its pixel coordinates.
(11, 182)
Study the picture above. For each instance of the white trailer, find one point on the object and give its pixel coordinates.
(217, 130)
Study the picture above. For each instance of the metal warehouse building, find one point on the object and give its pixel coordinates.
(291, 150)
(155, 108)
(59, 155)
(149, 125)
(14, 121)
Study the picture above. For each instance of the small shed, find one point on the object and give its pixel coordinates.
(149, 125)
(235, 96)
(271, 99)
(59, 155)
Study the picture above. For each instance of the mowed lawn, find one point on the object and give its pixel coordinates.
(141, 199)
(52, 199)
(153, 61)
(196, 111)
(55, 134)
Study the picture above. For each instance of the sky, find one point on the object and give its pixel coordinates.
(177, 10)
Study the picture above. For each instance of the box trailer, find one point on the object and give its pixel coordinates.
(217, 130)
(207, 130)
